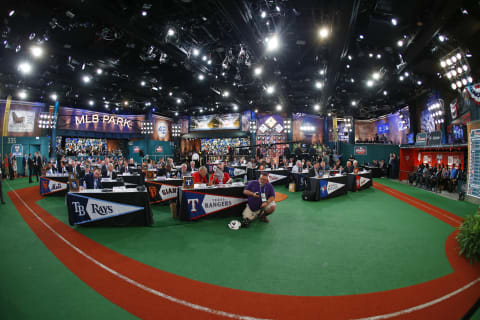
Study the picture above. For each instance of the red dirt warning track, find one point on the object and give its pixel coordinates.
(150, 293)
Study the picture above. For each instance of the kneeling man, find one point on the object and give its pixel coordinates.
(261, 200)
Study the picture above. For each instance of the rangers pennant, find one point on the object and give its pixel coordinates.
(201, 204)
(48, 186)
(87, 209)
(272, 177)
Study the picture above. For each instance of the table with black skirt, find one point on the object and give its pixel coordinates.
(132, 178)
(359, 181)
(53, 185)
(193, 204)
(118, 208)
(275, 177)
(110, 183)
(376, 172)
(328, 186)
(162, 190)
(300, 180)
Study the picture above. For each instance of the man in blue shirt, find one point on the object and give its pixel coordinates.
(261, 200)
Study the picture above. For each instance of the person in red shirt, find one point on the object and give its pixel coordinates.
(220, 177)
(200, 176)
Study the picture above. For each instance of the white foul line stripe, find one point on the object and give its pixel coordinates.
(422, 306)
(218, 312)
(131, 281)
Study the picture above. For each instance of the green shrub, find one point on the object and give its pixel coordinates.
(469, 238)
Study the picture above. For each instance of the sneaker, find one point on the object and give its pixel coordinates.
(264, 219)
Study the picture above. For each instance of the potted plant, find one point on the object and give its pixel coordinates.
(469, 238)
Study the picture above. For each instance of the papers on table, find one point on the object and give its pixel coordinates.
(304, 171)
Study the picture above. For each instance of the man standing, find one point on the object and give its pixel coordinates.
(38, 164)
(24, 164)
(30, 167)
(10, 166)
(261, 200)
(1, 192)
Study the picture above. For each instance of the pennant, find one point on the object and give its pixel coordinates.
(49, 186)
(272, 177)
(474, 93)
(329, 187)
(202, 204)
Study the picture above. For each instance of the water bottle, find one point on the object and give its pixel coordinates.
(245, 179)
(178, 174)
(168, 175)
(84, 185)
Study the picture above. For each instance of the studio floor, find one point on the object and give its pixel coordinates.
(388, 252)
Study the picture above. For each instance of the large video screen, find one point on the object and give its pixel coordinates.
(229, 121)
(392, 128)
(22, 118)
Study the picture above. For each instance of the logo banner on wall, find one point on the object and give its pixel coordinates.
(87, 209)
(202, 204)
(329, 188)
(474, 93)
(360, 151)
(17, 150)
(160, 192)
(49, 186)
(421, 139)
(162, 128)
(159, 149)
(454, 109)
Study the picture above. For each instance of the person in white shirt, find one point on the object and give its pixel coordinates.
(251, 164)
(298, 168)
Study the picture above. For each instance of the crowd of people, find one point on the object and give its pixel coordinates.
(440, 177)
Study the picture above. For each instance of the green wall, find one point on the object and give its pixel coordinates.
(374, 151)
(30, 144)
(149, 147)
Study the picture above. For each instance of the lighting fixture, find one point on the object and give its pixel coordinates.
(443, 64)
(394, 21)
(204, 58)
(144, 13)
(235, 108)
(170, 32)
(379, 56)
(400, 78)
(25, 67)
(11, 13)
(318, 85)
(263, 14)
(316, 107)
(36, 51)
(53, 96)
(272, 43)
(400, 43)
(226, 93)
(369, 83)
(91, 102)
(125, 103)
(258, 71)
(142, 83)
(376, 76)
(99, 71)
(170, 93)
(385, 92)
(279, 107)
(196, 52)
(441, 38)
(209, 62)
(370, 55)
(86, 78)
(454, 86)
(350, 57)
(323, 33)
(419, 82)
(270, 89)
(201, 77)
(361, 36)
(22, 94)
(354, 103)
(179, 101)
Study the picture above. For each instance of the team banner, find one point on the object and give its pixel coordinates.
(329, 188)
(474, 92)
(203, 204)
(235, 172)
(362, 182)
(272, 177)
(226, 121)
(360, 150)
(160, 192)
(87, 209)
(49, 186)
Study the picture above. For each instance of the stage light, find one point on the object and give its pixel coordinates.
(454, 59)
(125, 103)
(454, 86)
(204, 58)
(376, 76)
(361, 36)
(196, 52)
(464, 82)
(400, 78)
(258, 71)
(323, 33)
(316, 107)
(406, 74)
(272, 43)
(11, 13)
(459, 84)
(470, 79)
(99, 71)
(36, 51)
(170, 32)
(465, 67)
(348, 66)
(370, 55)
(453, 73)
(441, 37)
(419, 82)
(350, 58)
(318, 85)
(209, 62)
(179, 101)
(170, 94)
(176, 113)
(86, 78)
(329, 114)
(279, 107)
(25, 67)
(270, 89)
(53, 96)
(277, 8)
(394, 21)
(148, 104)
(369, 83)
(142, 83)
(459, 70)
(91, 102)
(235, 108)
(144, 13)
(226, 93)
(459, 56)
(385, 92)
(22, 94)
(263, 14)
(443, 64)
(352, 80)
(201, 77)
(400, 43)
(354, 103)
(449, 62)
(379, 56)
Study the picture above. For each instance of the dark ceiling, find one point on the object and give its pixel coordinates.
(145, 66)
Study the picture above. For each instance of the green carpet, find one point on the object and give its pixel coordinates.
(359, 243)
(460, 208)
(34, 284)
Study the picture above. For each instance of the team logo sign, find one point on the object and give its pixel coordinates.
(87, 209)
(201, 204)
(234, 172)
(161, 192)
(48, 186)
(159, 149)
(162, 129)
(362, 181)
(361, 151)
(275, 177)
(328, 187)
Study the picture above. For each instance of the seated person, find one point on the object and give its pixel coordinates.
(315, 170)
(349, 167)
(356, 168)
(62, 169)
(124, 168)
(323, 168)
(110, 174)
(200, 176)
(251, 164)
(164, 171)
(291, 162)
(261, 200)
(337, 165)
(50, 170)
(298, 167)
(192, 167)
(220, 177)
(282, 162)
(184, 171)
(308, 165)
(92, 181)
(274, 164)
